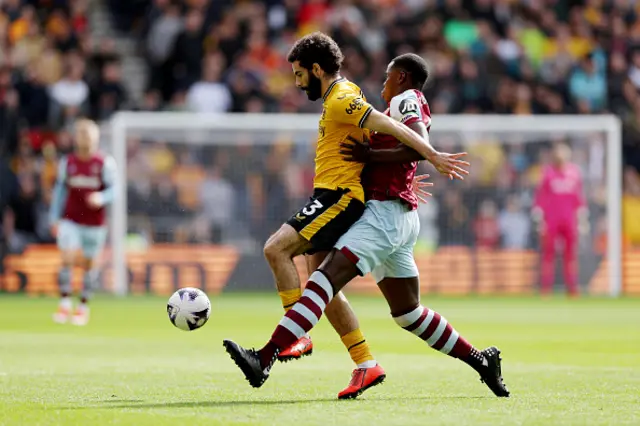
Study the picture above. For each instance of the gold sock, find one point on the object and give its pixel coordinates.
(290, 297)
(357, 346)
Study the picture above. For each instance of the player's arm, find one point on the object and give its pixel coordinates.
(59, 196)
(447, 164)
(353, 109)
(362, 153)
(379, 122)
(109, 174)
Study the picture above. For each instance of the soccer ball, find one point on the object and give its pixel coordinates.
(189, 308)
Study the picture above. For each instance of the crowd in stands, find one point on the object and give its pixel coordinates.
(487, 56)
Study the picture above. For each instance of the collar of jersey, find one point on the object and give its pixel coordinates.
(340, 80)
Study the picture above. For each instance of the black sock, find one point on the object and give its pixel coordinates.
(268, 353)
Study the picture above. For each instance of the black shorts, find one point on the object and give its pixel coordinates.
(326, 217)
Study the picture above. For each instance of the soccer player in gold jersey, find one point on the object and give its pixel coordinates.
(338, 198)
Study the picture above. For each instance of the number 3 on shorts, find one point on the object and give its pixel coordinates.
(311, 209)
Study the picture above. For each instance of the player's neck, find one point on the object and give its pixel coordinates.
(84, 155)
(325, 83)
(560, 166)
(401, 90)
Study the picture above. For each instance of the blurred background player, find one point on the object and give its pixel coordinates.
(84, 186)
(561, 213)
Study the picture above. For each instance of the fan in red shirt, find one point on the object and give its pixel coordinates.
(381, 243)
(486, 227)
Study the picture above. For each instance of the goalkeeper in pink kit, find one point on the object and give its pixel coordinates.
(561, 212)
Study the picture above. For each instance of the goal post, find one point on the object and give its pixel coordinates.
(193, 129)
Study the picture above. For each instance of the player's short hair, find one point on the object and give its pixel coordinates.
(415, 66)
(317, 48)
(91, 125)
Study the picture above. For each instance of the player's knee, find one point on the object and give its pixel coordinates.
(87, 264)
(339, 269)
(402, 294)
(67, 259)
(283, 244)
(272, 251)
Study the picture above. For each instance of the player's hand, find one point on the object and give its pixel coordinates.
(54, 230)
(450, 164)
(355, 151)
(94, 200)
(417, 186)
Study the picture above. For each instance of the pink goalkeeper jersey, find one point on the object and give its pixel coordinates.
(560, 194)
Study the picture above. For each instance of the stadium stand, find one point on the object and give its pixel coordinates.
(490, 56)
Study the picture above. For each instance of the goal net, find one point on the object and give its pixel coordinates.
(202, 193)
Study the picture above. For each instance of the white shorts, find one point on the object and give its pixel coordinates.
(72, 236)
(383, 240)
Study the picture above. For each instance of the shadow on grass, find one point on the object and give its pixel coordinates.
(138, 404)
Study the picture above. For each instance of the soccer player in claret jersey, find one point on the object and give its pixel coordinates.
(380, 242)
(561, 212)
(338, 198)
(85, 185)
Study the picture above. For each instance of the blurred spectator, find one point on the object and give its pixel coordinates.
(189, 50)
(631, 206)
(103, 54)
(29, 47)
(34, 99)
(9, 114)
(161, 205)
(588, 86)
(48, 171)
(209, 94)
(485, 226)
(217, 199)
(453, 220)
(21, 215)
(160, 41)
(515, 225)
(50, 64)
(160, 158)
(69, 94)
(23, 161)
(108, 94)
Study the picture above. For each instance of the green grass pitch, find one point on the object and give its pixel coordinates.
(565, 362)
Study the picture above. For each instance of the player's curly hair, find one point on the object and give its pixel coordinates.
(317, 48)
(415, 66)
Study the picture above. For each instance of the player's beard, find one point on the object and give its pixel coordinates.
(314, 88)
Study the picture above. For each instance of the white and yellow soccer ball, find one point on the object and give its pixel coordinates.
(189, 308)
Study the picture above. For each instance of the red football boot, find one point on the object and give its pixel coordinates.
(302, 347)
(361, 380)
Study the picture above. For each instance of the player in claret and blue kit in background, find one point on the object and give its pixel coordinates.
(561, 212)
(85, 185)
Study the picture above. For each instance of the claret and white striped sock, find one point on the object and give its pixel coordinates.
(301, 318)
(434, 329)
